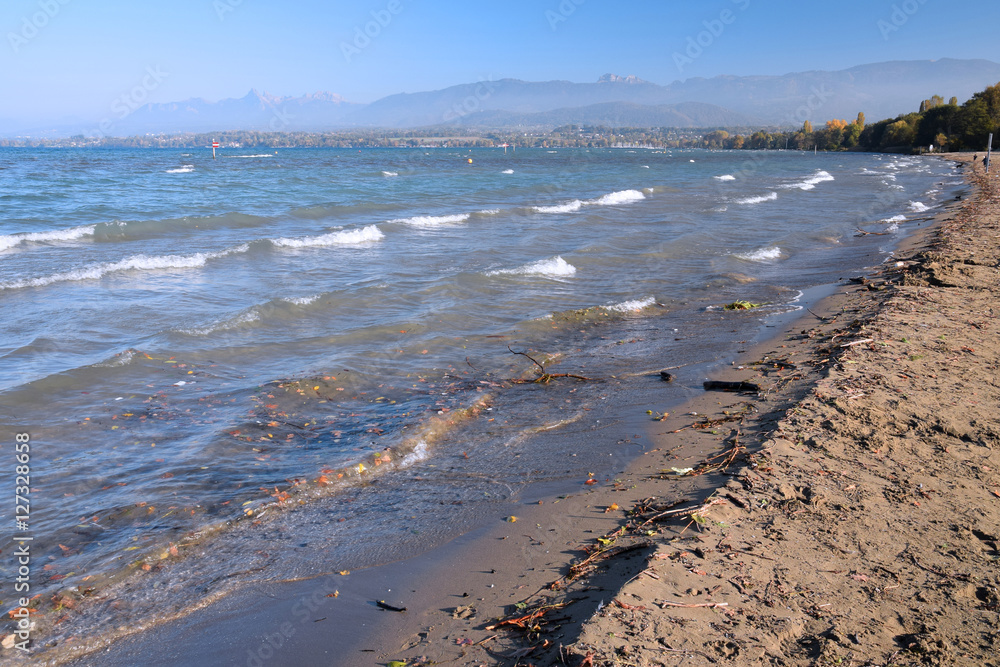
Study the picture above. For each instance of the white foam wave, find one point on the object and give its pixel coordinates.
(620, 197)
(302, 300)
(557, 267)
(631, 306)
(568, 207)
(225, 324)
(489, 211)
(770, 196)
(71, 234)
(390, 173)
(610, 199)
(918, 207)
(419, 453)
(120, 359)
(761, 255)
(258, 155)
(725, 177)
(433, 220)
(808, 184)
(895, 218)
(507, 171)
(368, 234)
(134, 263)
(186, 169)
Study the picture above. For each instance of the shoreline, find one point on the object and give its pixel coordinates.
(861, 526)
(500, 562)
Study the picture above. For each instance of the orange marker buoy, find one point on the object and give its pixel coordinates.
(470, 160)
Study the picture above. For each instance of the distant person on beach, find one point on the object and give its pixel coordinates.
(975, 156)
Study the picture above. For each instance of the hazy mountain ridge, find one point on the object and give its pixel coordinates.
(880, 90)
(617, 114)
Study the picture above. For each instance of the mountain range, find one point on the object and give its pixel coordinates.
(880, 90)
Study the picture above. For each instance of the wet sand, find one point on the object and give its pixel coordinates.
(858, 519)
(857, 524)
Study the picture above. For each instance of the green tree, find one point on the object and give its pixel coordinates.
(978, 117)
(939, 120)
(899, 133)
(852, 133)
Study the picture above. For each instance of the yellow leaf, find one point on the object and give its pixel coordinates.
(345, 572)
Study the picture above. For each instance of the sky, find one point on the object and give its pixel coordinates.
(64, 59)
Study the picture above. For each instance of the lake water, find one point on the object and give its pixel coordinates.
(194, 345)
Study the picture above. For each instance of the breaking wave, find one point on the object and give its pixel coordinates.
(770, 196)
(71, 234)
(556, 267)
(610, 199)
(433, 220)
(568, 207)
(811, 182)
(369, 234)
(135, 263)
(631, 306)
(762, 255)
(621, 197)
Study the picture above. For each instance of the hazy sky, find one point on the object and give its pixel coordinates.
(65, 58)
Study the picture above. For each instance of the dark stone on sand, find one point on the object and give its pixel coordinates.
(717, 385)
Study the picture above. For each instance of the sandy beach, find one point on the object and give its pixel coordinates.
(856, 520)
(841, 509)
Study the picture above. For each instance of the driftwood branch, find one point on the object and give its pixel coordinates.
(544, 377)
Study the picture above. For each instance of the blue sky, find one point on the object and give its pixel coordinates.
(65, 58)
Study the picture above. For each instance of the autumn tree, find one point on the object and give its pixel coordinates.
(934, 101)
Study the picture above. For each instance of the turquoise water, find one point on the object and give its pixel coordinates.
(187, 339)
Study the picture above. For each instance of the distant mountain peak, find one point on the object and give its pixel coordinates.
(614, 78)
